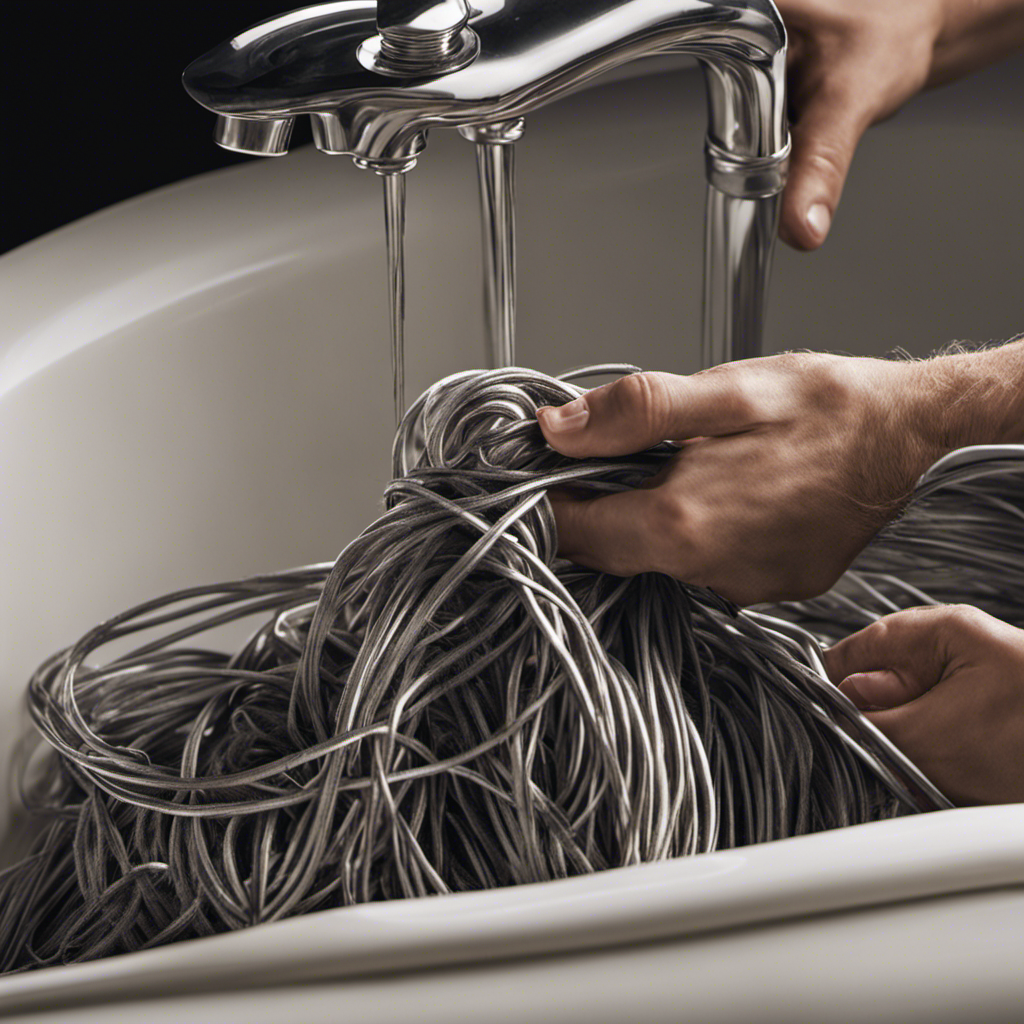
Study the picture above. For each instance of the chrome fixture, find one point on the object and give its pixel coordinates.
(420, 37)
(376, 77)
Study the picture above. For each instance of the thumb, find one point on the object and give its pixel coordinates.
(643, 409)
(824, 140)
(893, 661)
(881, 688)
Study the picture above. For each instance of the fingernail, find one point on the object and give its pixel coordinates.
(819, 219)
(563, 418)
(851, 687)
(875, 690)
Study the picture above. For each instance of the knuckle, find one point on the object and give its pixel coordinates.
(828, 161)
(825, 379)
(966, 617)
(883, 631)
(914, 615)
(645, 399)
(671, 533)
(740, 387)
(741, 399)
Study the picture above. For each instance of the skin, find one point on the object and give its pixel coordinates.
(788, 466)
(946, 685)
(853, 64)
(785, 473)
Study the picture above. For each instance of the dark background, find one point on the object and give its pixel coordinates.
(95, 112)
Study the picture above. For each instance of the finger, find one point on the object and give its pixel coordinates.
(926, 730)
(892, 661)
(614, 533)
(912, 728)
(824, 140)
(882, 688)
(641, 410)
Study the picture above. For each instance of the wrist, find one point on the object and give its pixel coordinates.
(893, 413)
(974, 33)
(971, 397)
(922, 395)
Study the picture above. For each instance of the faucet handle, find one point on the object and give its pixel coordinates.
(422, 19)
(420, 37)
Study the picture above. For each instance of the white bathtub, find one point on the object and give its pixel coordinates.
(158, 357)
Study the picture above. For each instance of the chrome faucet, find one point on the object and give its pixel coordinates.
(376, 77)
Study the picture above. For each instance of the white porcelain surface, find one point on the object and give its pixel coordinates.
(195, 385)
(883, 863)
(950, 961)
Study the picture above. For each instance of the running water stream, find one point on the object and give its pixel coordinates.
(394, 235)
(737, 259)
(497, 203)
(496, 171)
(495, 161)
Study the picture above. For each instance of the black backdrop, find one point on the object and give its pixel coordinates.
(94, 108)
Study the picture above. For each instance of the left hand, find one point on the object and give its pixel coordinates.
(946, 684)
(852, 64)
(849, 66)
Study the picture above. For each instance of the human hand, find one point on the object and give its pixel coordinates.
(951, 682)
(852, 64)
(791, 464)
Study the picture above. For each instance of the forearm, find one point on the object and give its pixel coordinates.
(974, 397)
(975, 33)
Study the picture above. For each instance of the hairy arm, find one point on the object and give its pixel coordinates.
(983, 392)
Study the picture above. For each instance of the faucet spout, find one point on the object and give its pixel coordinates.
(530, 52)
(376, 77)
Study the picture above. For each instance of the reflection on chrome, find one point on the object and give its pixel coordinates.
(375, 78)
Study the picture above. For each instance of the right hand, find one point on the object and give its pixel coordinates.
(790, 464)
